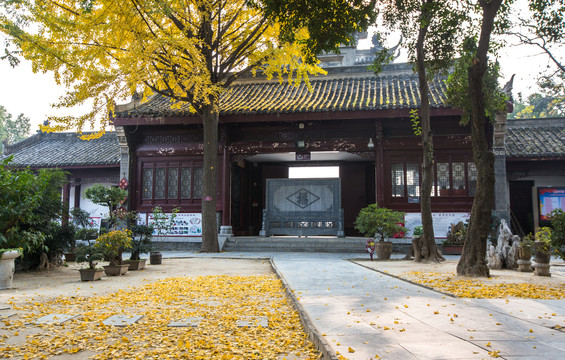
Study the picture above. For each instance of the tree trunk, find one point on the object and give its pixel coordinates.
(473, 258)
(210, 119)
(427, 249)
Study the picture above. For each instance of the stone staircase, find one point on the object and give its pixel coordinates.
(320, 244)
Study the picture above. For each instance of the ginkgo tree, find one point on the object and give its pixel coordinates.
(186, 50)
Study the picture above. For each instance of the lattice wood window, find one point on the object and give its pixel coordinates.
(450, 178)
(171, 180)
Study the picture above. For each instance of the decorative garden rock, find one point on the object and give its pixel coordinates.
(505, 254)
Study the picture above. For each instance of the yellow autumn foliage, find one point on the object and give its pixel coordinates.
(219, 300)
(187, 50)
(484, 288)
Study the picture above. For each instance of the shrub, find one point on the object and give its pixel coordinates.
(141, 240)
(456, 234)
(558, 233)
(543, 240)
(418, 231)
(113, 243)
(374, 220)
(89, 254)
(29, 201)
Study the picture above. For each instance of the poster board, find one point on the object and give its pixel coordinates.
(549, 199)
(442, 222)
(186, 224)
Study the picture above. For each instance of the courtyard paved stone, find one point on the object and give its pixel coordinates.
(362, 314)
(54, 319)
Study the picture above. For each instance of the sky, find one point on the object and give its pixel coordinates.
(22, 91)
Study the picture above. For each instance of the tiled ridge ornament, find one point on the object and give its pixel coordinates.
(187, 322)
(122, 320)
(253, 321)
(54, 319)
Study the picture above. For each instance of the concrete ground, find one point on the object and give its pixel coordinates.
(361, 313)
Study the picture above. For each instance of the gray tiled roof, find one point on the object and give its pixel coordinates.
(64, 150)
(536, 138)
(350, 92)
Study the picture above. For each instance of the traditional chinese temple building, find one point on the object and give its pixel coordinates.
(352, 120)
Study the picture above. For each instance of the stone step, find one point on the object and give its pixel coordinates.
(295, 244)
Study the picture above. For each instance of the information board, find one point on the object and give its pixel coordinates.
(550, 198)
(442, 222)
(185, 224)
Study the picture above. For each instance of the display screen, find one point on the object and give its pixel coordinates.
(550, 198)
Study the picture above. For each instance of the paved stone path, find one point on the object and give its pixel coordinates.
(362, 314)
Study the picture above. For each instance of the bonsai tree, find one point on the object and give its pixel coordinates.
(379, 222)
(558, 233)
(141, 240)
(163, 223)
(113, 243)
(526, 246)
(90, 254)
(110, 197)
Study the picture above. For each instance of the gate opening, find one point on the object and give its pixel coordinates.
(313, 172)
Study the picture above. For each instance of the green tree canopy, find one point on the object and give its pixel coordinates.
(186, 50)
(13, 130)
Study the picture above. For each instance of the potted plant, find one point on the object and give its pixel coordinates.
(558, 232)
(418, 232)
(455, 238)
(162, 223)
(380, 222)
(91, 255)
(112, 244)
(7, 266)
(140, 244)
(542, 251)
(525, 247)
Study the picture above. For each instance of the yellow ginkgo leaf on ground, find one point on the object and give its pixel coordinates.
(350, 350)
(219, 300)
(484, 287)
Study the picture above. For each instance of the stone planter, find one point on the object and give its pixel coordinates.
(541, 266)
(524, 256)
(7, 268)
(135, 264)
(70, 256)
(116, 270)
(451, 249)
(90, 274)
(383, 249)
(155, 258)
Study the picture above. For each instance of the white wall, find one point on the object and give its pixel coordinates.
(87, 205)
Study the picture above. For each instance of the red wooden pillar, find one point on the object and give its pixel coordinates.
(226, 181)
(66, 198)
(379, 165)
